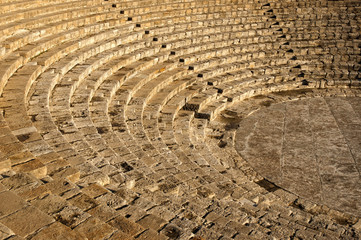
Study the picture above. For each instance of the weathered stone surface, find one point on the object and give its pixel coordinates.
(5, 165)
(125, 225)
(152, 221)
(19, 180)
(93, 228)
(36, 192)
(103, 212)
(58, 231)
(10, 203)
(35, 167)
(26, 221)
(120, 235)
(71, 216)
(94, 190)
(180, 119)
(83, 202)
(50, 204)
(151, 235)
(302, 146)
(5, 232)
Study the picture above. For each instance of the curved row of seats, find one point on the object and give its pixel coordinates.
(105, 106)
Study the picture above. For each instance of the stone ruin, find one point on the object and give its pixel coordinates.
(180, 119)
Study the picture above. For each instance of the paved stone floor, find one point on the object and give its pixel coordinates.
(310, 147)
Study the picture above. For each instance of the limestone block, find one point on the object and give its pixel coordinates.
(70, 173)
(56, 165)
(5, 232)
(97, 177)
(103, 212)
(93, 228)
(50, 204)
(83, 202)
(152, 235)
(26, 221)
(71, 193)
(71, 216)
(126, 226)
(58, 231)
(11, 149)
(20, 180)
(94, 190)
(5, 164)
(10, 203)
(152, 221)
(35, 167)
(121, 235)
(21, 157)
(59, 186)
(111, 200)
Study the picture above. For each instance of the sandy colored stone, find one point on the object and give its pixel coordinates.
(56, 166)
(152, 221)
(103, 212)
(304, 147)
(2, 187)
(36, 192)
(93, 228)
(71, 216)
(58, 231)
(10, 203)
(147, 96)
(20, 180)
(94, 190)
(120, 235)
(151, 234)
(48, 157)
(111, 200)
(69, 173)
(5, 165)
(83, 202)
(26, 221)
(126, 226)
(5, 232)
(59, 186)
(35, 167)
(21, 157)
(50, 204)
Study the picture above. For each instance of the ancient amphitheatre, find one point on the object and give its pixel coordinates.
(180, 119)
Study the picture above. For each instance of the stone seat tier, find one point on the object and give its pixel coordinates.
(48, 24)
(116, 105)
(109, 13)
(197, 125)
(46, 8)
(36, 69)
(184, 130)
(24, 37)
(15, 61)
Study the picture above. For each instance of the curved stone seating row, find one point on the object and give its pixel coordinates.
(116, 117)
